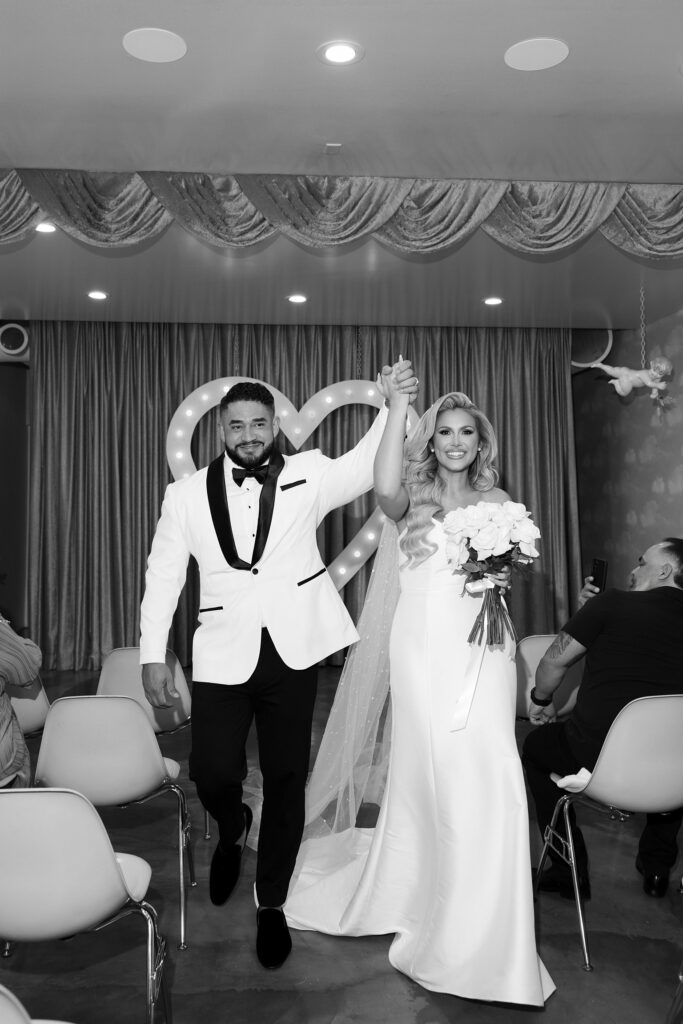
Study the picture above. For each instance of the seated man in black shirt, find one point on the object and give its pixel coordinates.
(633, 642)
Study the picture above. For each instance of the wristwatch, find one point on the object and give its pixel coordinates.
(542, 702)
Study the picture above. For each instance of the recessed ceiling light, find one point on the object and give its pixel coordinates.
(536, 54)
(97, 294)
(296, 298)
(157, 45)
(493, 300)
(340, 51)
(45, 227)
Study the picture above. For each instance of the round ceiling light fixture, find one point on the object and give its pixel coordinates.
(340, 51)
(536, 54)
(97, 295)
(45, 227)
(156, 45)
(13, 339)
(297, 298)
(493, 300)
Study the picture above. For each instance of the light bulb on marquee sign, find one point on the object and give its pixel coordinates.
(297, 426)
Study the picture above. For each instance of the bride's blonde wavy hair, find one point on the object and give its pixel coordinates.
(425, 487)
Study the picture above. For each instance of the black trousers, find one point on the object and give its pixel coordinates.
(280, 700)
(546, 750)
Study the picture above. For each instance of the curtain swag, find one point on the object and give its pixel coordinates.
(405, 214)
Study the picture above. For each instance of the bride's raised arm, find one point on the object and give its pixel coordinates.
(392, 496)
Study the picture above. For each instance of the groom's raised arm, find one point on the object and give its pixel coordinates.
(351, 475)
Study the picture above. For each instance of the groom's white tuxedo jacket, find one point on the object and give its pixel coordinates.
(285, 587)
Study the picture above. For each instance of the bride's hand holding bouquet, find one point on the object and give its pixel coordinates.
(487, 541)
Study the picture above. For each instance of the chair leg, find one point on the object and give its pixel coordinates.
(548, 836)
(564, 848)
(571, 860)
(207, 827)
(184, 826)
(156, 956)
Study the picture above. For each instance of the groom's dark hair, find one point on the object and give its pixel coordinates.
(248, 391)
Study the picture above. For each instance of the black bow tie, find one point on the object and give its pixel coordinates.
(258, 472)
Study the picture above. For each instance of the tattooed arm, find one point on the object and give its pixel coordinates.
(563, 652)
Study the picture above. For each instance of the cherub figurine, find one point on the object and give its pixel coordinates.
(625, 379)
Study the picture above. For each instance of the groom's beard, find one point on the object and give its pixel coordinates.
(248, 458)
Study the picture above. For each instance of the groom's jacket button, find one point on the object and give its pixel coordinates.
(255, 571)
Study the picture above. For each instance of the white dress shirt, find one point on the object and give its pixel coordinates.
(243, 505)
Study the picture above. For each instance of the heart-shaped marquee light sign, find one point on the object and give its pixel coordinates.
(297, 426)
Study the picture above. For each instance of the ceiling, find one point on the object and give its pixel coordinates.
(432, 98)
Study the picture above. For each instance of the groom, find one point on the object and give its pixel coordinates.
(269, 612)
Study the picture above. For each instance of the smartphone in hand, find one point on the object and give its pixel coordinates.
(599, 573)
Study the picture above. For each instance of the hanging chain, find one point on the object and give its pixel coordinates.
(643, 325)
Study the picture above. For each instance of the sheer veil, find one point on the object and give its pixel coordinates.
(353, 758)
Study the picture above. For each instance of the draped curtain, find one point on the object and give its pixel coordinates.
(405, 214)
(102, 396)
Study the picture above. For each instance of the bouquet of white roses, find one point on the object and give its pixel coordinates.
(487, 538)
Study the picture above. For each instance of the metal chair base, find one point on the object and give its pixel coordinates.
(564, 848)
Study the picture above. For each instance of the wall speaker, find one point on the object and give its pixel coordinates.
(13, 342)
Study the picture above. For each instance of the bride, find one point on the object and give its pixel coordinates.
(446, 869)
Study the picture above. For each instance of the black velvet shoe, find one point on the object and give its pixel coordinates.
(558, 878)
(273, 941)
(654, 884)
(225, 866)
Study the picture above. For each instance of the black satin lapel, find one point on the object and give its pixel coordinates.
(218, 504)
(267, 504)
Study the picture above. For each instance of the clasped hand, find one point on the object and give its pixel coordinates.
(398, 381)
(542, 715)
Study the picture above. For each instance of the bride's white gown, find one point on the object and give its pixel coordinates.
(447, 867)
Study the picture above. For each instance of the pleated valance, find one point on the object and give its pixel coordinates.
(408, 215)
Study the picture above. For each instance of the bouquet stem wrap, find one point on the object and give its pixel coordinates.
(493, 620)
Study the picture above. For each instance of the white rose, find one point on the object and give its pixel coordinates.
(454, 522)
(528, 549)
(476, 516)
(515, 510)
(485, 541)
(503, 543)
(457, 551)
(524, 530)
(498, 515)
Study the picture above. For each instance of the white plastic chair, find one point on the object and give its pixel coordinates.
(120, 675)
(105, 748)
(60, 876)
(13, 1012)
(530, 650)
(30, 705)
(640, 767)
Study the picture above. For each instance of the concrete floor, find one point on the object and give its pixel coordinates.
(636, 941)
